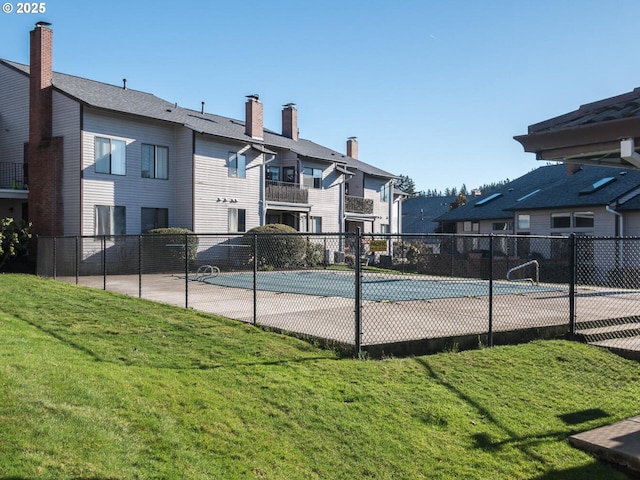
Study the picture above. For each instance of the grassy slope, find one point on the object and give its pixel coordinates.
(96, 385)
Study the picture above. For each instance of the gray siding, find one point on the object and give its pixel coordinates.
(130, 190)
(14, 114)
(66, 123)
(215, 192)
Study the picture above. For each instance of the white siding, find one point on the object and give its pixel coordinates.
(14, 114)
(372, 187)
(215, 192)
(130, 190)
(325, 202)
(66, 124)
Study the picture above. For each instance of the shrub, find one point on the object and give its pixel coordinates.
(14, 238)
(314, 254)
(278, 251)
(164, 247)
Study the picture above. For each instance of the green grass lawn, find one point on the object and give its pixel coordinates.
(94, 385)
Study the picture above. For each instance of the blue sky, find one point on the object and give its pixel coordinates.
(433, 89)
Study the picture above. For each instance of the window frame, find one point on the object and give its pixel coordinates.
(561, 220)
(522, 225)
(160, 218)
(153, 173)
(114, 214)
(312, 177)
(588, 215)
(384, 193)
(104, 162)
(237, 169)
(237, 220)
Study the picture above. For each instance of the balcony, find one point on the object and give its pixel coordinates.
(358, 205)
(12, 176)
(286, 192)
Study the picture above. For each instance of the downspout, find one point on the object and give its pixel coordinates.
(620, 225)
(619, 233)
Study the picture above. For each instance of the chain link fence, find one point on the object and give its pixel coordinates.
(384, 294)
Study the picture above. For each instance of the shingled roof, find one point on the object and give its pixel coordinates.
(134, 102)
(589, 135)
(550, 187)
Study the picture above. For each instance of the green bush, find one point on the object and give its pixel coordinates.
(278, 251)
(164, 248)
(314, 254)
(14, 238)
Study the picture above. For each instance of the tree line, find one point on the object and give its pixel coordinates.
(405, 184)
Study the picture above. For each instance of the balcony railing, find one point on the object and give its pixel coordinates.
(286, 192)
(358, 204)
(12, 176)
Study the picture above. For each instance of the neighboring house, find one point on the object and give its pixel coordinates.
(556, 200)
(80, 157)
(419, 213)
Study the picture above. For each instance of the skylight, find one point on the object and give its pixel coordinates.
(530, 194)
(603, 182)
(488, 199)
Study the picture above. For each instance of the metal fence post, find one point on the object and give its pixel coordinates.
(255, 278)
(490, 336)
(573, 247)
(77, 262)
(358, 292)
(186, 270)
(139, 266)
(104, 262)
(55, 257)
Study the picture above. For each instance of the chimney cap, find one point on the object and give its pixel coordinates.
(289, 105)
(43, 24)
(254, 96)
(352, 138)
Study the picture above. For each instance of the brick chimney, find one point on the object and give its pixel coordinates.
(40, 80)
(290, 121)
(45, 152)
(254, 117)
(352, 147)
(573, 168)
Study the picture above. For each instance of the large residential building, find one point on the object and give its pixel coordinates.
(80, 157)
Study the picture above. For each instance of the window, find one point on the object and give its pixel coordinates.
(524, 222)
(316, 224)
(110, 156)
(273, 173)
(488, 199)
(530, 194)
(384, 193)
(289, 174)
(110, 220)
(603, 182)
(237, 220)
(151, 218)
(237, 165)
(561, 220)
(470, 226)
(312, 177)
(502, 226)
(155, 162)
(384, 228)
(583, 219)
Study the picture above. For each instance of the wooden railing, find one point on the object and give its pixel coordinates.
(286, 192)
(358, 204)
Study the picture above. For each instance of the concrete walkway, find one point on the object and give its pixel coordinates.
(618, 443)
